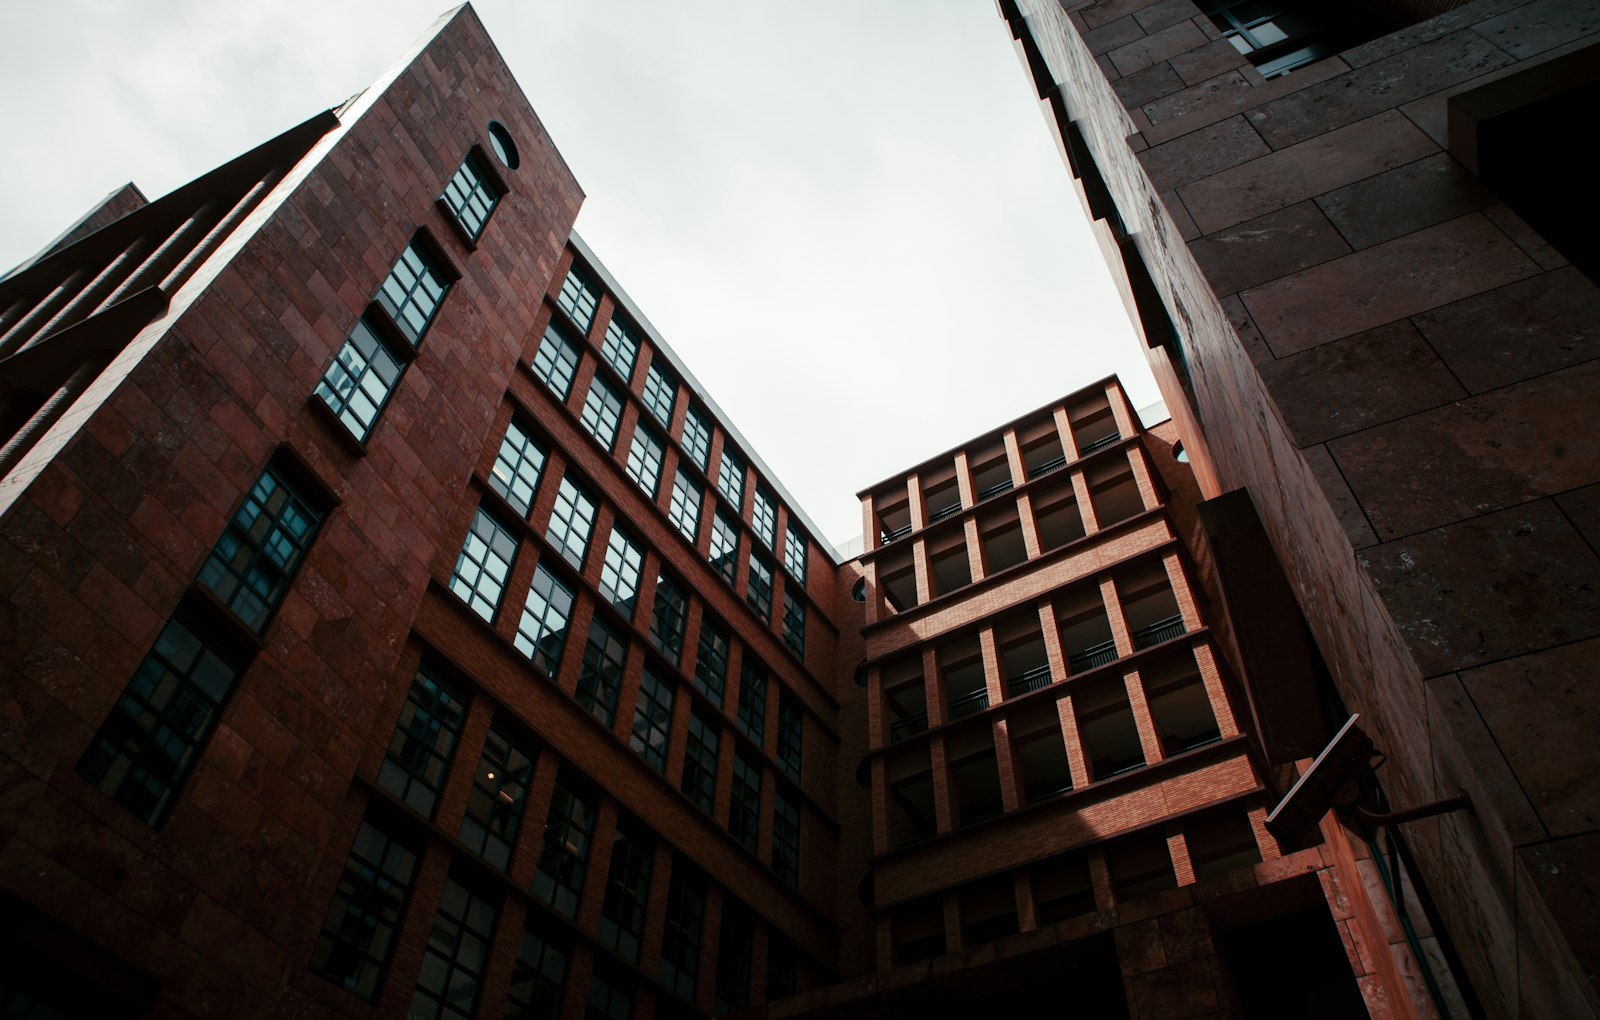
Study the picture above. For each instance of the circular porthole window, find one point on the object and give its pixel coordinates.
(859, 592)
(1179, 454)
(505, 149)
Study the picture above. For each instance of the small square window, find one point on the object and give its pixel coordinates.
(652, 719)
(361, 379)
(669, 618)
(764, 515)
(484, 564)
(619, 575)
(711, 661)
(644, 460)
(556, 362)
(730, 479)
(471, 195)
(759, 592)
(697, 437)
(794, 554)
(600, 680)
(602, 411)
(423, 743)
(255, 560)
(515, 474)
(413, 291)
(660, 393)
(542, 632)
(579, 297)
(620, 348)
(685, 509)
(794, 624)
(725, 546)
(571, 522)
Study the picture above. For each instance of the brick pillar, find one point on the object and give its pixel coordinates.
(628, 696)
(1027, 908)
(677, 741)
(880, 805)
(1205, 659)
(1051, 635)
(1030, 528)
(1270, 851)
(458, 782)
(1069, 443)
(1182, 593)
(994, 682)
(1120, 410)
(943, 806)
(975, 565)
(525, 854)
(922, 569)
(1019, 471)
(969, 495)
(1076, 763)
(705, 984)
(876, 608)
(919, 513)
(1149, 739)
(1119, 624)
(1010, 790)
(869, 529)
(655, 904)
(933, 687)
(1149, 497)
(1100, 879)
(1178, 847)
(885, 934)
(1080, 493)
(952, 922)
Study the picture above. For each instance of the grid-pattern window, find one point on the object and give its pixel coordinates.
(700, 761)
(660, 393)
(786, 836)
(652, 719)
(744, 810)
(711, 661)
(753, 702)
(619, 575)
(791, 735)
(556, 362)
(764, 516)
(627, 888)
(725, 546)
(600, 680)
(602, 412)
(730, 478)
(571, 522)
(564, 858)
(794, 554)
(794, 624)
(255, 559)
(620, 348)
(361, 379)
(669, 618)
(735, 935)
(610, 994)
(423, 742)
(685, 509)
(484, 564)
(644, 459)
(150, 741)
(455, 957)
(413, 291)
(499, 792)
(542, 632)
(539, 974)
(697, 437)
(471, 195)
(579, 297)
(517, 466)
(358, 932)
(680, 937)
(758, 592)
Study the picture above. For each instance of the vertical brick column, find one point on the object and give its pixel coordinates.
(1069, 442)
(869, 527)
(1182, 593)
(880, 805)
(993, 681)
(943, 803)
(1030, 527)
(964, 486)
(1027, 907)
(1149, 496)
(1178, 847)
(1100, 879)
(655, 908)
(464, 765)
(1120, 410)
(628, 696)
(571, 664)
(933, 687)
(1019, 471)
(1005, 765)
(1206, 660)
(678, 742)
(952, 923)
(1080, 493)
(919, 513)
(1119, 624)
(922, 569)
(877, 713)
(580, 967)
(706, 977)
(1270, 851)
(1149, 739)
(1076, 763)
(975, 565)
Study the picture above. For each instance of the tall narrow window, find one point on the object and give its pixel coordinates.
(515, 474)
(791, 736)
(685, 509)
(413, 291)
(786, 836)
(627, 888)
(794, 554)
(660, 393)
(794, 624)
(764, 515)
(255, 560)
(539, 974)
(602, 412)
(700, 761)
(697, 437)
(499, 791)
(455, 957)
(783, 967)
(361, 379)
(149, 743)
(737, 932)
(565, 857)
(744, 809)
(669, 618)
(556, 362)
(600, 680)
(753, 702)
(644, 460)
(758, 592)
(680, 937)
(571, 522)
(730, 478)
(711, 660)
(579, 297)
(359, 931)
(619, 575)
(484, 564)
(652, 719)
(725, 546)
(542, 632)
(471, 196)
(620, 348)
(423, 742)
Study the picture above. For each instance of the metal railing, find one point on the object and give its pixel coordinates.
(968, 704)
(886, 537)
(1161, 630)
(1100, 444)
(1105, 768)
(947, 512)
(1093, 656)
(1047, 467)
(994, 490)
(1042, 789)
(1029, 680)
(910, 726)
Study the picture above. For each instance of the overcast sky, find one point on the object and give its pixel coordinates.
(848, 218)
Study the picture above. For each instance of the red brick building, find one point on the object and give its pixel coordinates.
(393, 626)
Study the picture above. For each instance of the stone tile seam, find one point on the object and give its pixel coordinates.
(1563, 512)
(1494, 739)
(1479, 516)
(1352, 490)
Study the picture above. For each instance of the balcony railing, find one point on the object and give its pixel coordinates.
(1029, 681)
(1105, 768)
(1190, 742)
(968, 704)
(1047, 467)
(895, 535)
(1042, 789)
(947, 512)
(1093, 656)
(994, 490)
(1161, 630)
(910, 726)
(1100, 444)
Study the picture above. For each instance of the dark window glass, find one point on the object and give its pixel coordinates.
(579, 297)
(620, 348)
(685, 509)
(669, 618)
(753, 702)
(147, 746)
(556, 362)
(499, 792)
(700, 761)
(571, 522)
(794, 624)
(517, 466)
(783, 967)
(734, 939)
(565, 855)
(744, 811)
(484, 564)
(660, 393)
(539, 973)
(627, 888)
(358, 933)
(786, 836)
(791, 736)
(602, 411)
(255, 560)
(423, 742)
(455, 957)
(764, 515)
(697, 437)
(680, 939)
(794, 554)
(644, 460)
(600, 680)
(730, 478)
(619, 575)
(413, 291)
(361, 379)
(725, 546)
(610, 994)
(711, 661)
(758, 593)
(652, 719)
(542, 632)
(471, 195)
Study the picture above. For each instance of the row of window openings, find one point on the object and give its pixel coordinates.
(1093, 426)
(556, 362)
(1114, 496)
(1106, 733)
(1062, 887)
(1150, 611)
